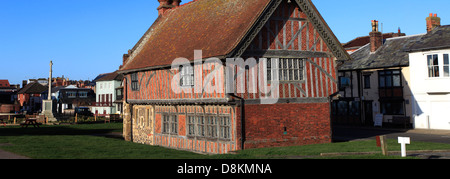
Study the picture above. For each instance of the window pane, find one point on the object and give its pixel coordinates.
(429, 60)
(436, 71)
(382, 82)
(291, 75)
(366, 81)
(435, 60)
(446, 65)
(446, 71)
(445, 59)
(388, 81)
(396, 80)
(342, 108)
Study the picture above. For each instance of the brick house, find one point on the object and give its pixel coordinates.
(30, 98)
(295, 55)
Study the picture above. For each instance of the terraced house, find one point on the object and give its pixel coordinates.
(289, 55)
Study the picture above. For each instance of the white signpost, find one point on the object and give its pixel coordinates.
(403, 141)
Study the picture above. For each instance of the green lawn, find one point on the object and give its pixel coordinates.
(78, 142)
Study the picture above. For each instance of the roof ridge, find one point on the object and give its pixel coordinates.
(406, 36)
(177, 7)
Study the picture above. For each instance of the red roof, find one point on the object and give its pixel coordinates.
(214, 26)
(361, 41)
(4, 83)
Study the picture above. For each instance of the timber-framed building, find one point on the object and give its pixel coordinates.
(292, 32)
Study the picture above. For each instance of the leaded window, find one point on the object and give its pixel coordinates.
(224, 127)
(170, 124)
(186, 76)
(134, 82)
(289, 69)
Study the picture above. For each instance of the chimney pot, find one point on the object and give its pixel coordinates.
(165, 5)
(432, 22)
(376, 37)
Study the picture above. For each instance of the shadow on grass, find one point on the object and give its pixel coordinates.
(84, 129)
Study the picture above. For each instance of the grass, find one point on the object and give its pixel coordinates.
(77, 142)
(80, 142)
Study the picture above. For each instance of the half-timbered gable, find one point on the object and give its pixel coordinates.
(193, 104)
(306, 65)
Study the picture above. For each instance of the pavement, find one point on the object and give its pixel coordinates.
(9, 155)
(349, 133)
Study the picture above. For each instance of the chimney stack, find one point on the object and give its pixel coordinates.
(432, 22)
(376, 37)
(399, 34)
(165, 5)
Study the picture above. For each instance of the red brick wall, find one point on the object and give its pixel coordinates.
(8, 108)
(286, 124)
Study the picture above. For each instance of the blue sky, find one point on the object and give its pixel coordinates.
(87, 37)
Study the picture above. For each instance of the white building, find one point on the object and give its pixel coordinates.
(105, 89)
(430, 80)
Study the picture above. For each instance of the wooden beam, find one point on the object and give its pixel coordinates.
(286, 54)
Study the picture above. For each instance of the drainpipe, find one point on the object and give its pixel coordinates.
(242, 106)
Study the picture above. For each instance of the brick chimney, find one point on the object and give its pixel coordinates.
(165, 5)
(399, 33)
(432, 22)
(376, 37)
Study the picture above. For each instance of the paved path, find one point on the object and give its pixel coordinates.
(344, 133)
(9, 155)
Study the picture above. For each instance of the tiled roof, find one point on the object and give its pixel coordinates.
(438, 38)
(393, 53)
(111, 76)
(361, 41)
(4, 83)
(33, 88)
(214, 26)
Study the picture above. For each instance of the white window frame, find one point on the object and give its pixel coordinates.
(441, 69)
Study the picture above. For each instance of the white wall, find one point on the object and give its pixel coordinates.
(431, 96)
(106, 87)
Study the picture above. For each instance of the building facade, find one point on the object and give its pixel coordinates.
(278, 96)
(30, 97)
(105, 89)
(374, 85)
(71, 97)
(430, 79)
